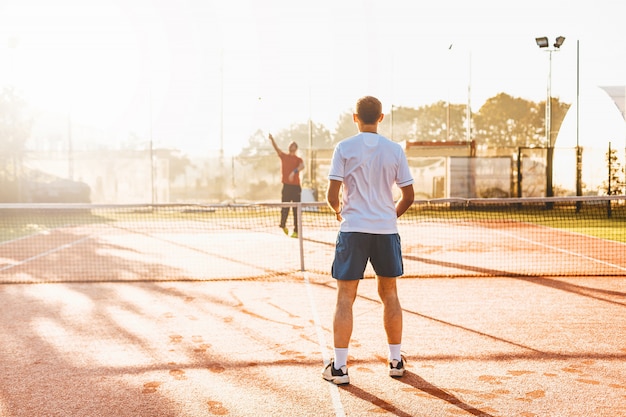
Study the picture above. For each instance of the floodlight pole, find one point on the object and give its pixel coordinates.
(70, 151)
(391, 114)
(152, 191)
(579, 156)
(448, 104)
(222, 174)
(544, 43)
(550, 150)
(309, 167)
(468, 108)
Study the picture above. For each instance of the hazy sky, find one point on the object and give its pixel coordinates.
(165, 66)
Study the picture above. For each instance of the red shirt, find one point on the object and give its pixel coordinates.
(288, 164)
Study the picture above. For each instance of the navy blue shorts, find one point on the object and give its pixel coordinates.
(354, 250)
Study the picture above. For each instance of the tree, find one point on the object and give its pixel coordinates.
(558, 110)
(177, 162)
(15, 129)
(402, 123)
(259, 165)
(506, 121)
(255, 165)
(427, 123)
(299, 133)
(344, 128)
(398, 125)
(259, 145)
(431, 122)
(615, 184)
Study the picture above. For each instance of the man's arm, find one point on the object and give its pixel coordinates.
(296, 171)
(407, 199)
(332, 197)
(276, 148)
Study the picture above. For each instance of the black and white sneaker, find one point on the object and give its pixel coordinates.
(336, 376)
(396, 368)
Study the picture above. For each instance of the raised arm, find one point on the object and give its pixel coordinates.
(276, 148)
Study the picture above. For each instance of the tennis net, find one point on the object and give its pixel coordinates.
(561, 236)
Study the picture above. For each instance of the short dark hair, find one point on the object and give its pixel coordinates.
(369, 109)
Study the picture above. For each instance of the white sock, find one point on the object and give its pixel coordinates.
(394, 352)
(341, 357)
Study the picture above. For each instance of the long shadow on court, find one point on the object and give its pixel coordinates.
(594, 293)
(532, 353)
(377, 401)
(420, 384)
(576, 289)
(446, 323)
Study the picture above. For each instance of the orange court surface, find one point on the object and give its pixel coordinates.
(475, 347)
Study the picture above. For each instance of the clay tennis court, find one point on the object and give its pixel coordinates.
(127, 343)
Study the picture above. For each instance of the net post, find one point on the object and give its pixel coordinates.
(579, 186)
(300, 236)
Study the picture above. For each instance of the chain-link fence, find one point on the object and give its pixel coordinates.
(152, 177)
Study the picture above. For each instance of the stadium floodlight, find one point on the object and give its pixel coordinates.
(559, 41)
(542, 42)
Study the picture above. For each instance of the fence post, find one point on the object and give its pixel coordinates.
(519, 172)
(608, 203)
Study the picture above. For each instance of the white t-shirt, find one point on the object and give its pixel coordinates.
(369, 164)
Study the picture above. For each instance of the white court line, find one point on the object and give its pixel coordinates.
(563, 250)
(17, 239)
(42, 254)
(334, 391)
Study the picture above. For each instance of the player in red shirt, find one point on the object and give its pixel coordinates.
(291, 166)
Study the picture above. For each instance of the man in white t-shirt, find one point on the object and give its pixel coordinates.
(363, 171)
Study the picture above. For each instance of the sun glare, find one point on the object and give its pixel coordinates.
(192, 71)
(76, 57)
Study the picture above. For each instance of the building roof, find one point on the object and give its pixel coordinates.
(618, 94)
